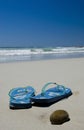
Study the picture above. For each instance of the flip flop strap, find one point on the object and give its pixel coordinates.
(18, 94)
(58, 87)
(45, 86)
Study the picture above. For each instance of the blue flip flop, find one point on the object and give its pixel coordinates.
(52, 94)
(20, 97)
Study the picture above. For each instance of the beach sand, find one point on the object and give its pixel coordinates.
(68, 72)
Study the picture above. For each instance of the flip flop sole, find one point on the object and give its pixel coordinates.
(41, 100)
(20, 106)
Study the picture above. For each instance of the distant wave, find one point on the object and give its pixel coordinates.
(29, 51)
(20, 54)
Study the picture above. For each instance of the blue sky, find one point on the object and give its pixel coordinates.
(41, 22)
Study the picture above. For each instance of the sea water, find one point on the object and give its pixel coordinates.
(31, 54)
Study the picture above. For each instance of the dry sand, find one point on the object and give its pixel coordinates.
(69, 72)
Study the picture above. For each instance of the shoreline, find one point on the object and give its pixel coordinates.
(69, 72)
(41, 60)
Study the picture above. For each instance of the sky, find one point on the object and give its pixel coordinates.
(38, 23)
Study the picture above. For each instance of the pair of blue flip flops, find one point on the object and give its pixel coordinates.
(24, 97)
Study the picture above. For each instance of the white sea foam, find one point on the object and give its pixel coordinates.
(28, 51)
(15, 54)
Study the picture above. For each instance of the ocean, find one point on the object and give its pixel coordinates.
(33, 54)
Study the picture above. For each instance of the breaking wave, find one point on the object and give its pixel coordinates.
(27, 54)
